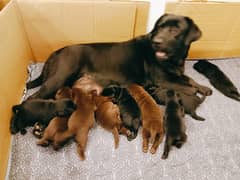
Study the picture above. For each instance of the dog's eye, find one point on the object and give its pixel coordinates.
(174, 31)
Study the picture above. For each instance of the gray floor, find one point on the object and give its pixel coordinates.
(211, 152)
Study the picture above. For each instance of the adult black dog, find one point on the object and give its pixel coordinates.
(124, 62)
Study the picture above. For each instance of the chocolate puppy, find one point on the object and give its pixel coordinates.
(57, 124)
(108, 116)
(79, 123)
(129, 110)
(189, 102)
(217, 78)
(38, 110)
(152, 119)
(174, 125)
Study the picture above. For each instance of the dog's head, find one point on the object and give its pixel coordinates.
(18, 122)
(65, 107)
(172, 35)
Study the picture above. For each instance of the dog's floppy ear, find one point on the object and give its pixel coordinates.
(194, 32)
(15, 109)
(157, 22)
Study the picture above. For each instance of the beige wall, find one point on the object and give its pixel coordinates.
(220, 24)
(51, 25)
(14, 56)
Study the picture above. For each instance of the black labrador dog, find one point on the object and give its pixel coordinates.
(122, 62)
(39, 110)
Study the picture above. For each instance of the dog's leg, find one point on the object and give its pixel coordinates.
(43, 142)
(125, 131)
(167, 147)
(48, 88)
(116, 137)
(156, 143)
(81, 139)
(200, 88)
(195, 116)
(188, 90)
(145, 136)
(61, 138)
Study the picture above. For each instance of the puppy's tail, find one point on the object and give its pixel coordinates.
(35, 82)
(116, 137)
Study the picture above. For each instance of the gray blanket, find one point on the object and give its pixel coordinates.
(211, 152)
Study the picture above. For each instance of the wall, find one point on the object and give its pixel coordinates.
(14, 56)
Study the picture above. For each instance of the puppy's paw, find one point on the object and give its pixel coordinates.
(205, 90)
(153, 150)
(23, 131)
(145, 149)
(164, 156)
(43, 143)
(56, 146)
(131, 136)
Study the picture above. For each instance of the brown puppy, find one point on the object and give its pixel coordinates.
(152, 119)
(174, 125)
(108, 116)
(88, 83)
(80, 122)
(57, 124)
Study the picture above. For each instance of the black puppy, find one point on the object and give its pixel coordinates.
(189, 102)
(38, 110)
(129, 110)
(121, 62)
(174, 126)
(217, 78)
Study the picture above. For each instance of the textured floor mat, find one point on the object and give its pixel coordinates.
(211, 152)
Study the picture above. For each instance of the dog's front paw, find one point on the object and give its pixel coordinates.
(153, 150)
(164, 156)
(206, 91)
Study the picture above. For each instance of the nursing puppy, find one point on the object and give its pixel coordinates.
(79, 123)
(173, 122)
(217, 78)
(129, 111)
(87, 83)
(189, 102)
(38, 110)
(57, 124)
(152, 119)
(108, 116)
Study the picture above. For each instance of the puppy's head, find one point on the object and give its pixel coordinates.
(113, 91)
(65, 107)
(65, 92)
(172, 35)
(172, 95)
(17, 122)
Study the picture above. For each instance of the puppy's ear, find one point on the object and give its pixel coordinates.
(194, 32)
(15, 109)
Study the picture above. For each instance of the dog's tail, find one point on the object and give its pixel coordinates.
(35, 82)
(116, 137)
